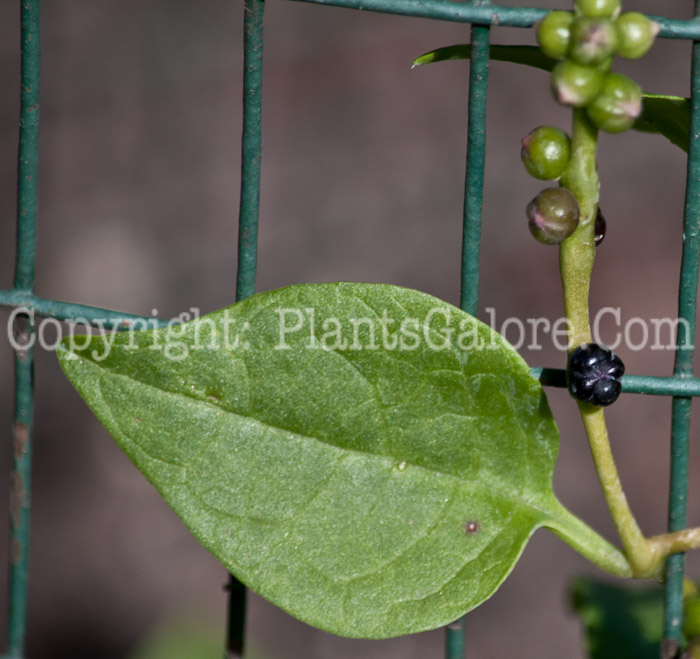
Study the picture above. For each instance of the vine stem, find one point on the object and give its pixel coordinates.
(675, 543)
(641, 554)
(576, 257)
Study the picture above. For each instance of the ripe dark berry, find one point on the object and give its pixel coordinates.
(553, 215)
(593, 374)
(553, 33)
(601, 227)
(545, 152)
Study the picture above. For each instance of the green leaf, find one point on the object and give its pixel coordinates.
(528, 55)
(666, 115)
(368, 457)
(620, 623)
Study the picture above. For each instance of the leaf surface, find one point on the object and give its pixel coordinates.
(666, 115)
(367, 457)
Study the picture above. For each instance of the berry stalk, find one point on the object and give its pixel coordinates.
(576, 257)
(577, 253)
(640, 553)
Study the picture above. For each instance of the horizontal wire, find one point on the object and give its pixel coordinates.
(683, 386)
(68, 311)
(486, 14)
(77, 313)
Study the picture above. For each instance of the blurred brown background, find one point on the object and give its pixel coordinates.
(363, 171)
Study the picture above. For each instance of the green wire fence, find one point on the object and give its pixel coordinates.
(481, 14)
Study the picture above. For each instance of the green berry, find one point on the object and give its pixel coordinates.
(691, 615)
(593, 40)
(574, 84)
(618, 104)
(597, 8)
(635, 33)
(553, 215)
(553, 33)
(545, 152)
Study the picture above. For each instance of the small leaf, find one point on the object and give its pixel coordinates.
(667, 115)
(369, 458)
(528, 55)
(620, 622)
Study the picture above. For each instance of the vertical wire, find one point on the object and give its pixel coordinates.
(28, 156)
(251, 149)
(249, 211)
(476, 153)
(25, 265)
(471, 231)
(683, 365)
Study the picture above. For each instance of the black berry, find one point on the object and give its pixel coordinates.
(593, 374)
(601, 227)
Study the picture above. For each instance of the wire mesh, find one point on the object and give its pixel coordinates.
(681, 386)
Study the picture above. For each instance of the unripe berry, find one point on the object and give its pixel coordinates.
(553, 215)
(635, 34)
(575, 85)
(618, 104)
(553, 33)
(593, 374)
(593, 40)
(598, 8)
(545, 152)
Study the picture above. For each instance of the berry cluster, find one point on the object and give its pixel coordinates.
(586, 41)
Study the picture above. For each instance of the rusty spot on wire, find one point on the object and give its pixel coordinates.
(20, 439)
(18, 494)
(22, 337)
(15, 551)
